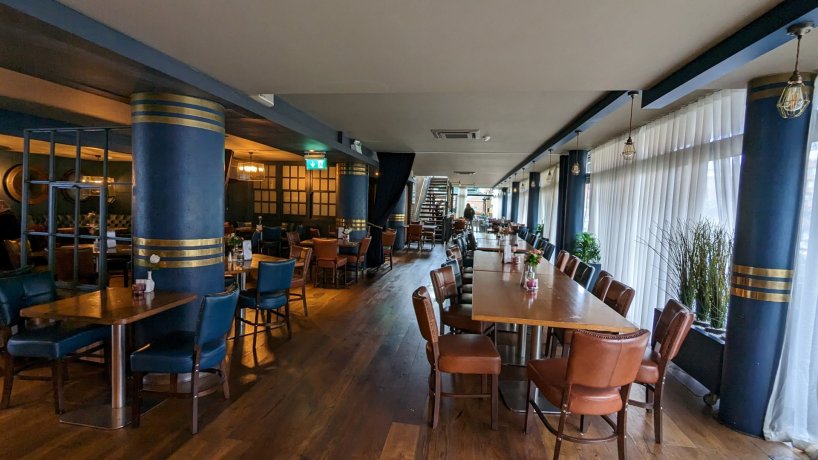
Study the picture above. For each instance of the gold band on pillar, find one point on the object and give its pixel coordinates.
(761, 283)
(187, 253)
(397, 217)
(174, 109)
(353, 169)
(352, 224)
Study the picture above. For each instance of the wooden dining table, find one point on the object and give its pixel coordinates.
(494, 245)
(560, 302)
(489, 261)
(341, 244)
(115, 307)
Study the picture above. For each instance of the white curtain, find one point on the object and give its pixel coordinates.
(522, 208)
(687, 162)
(792, 414)
(549, 180)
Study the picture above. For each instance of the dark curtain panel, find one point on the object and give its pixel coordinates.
(395, 169)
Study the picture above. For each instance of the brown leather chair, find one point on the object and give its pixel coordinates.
(388, 242)
(326, 257)
(315, 233)
(293, 239)
(456, 354)
(427, 234)
(603, 283)
(670, 333)
(358, 261)
(562, 260)
(571, 266)
(467, 272)
(414, 234)
(304, 255)
(619, 297)
(87, 273)
(453, 313)
(595, 379)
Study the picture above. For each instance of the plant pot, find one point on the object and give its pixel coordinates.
(716, 330)
(702, 324)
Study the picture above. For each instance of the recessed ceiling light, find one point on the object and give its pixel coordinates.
(464, 173)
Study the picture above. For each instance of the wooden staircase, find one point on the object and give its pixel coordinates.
(434, 206)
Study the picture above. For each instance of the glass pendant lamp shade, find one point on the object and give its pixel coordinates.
(793, 101)
(795, 97)
(575, 168)
(630, 150)
(249, 170)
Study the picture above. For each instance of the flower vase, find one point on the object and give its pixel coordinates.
(149, 284)
(531, 281)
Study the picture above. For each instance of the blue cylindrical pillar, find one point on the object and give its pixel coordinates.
(504, 213)
(572, 198)
(353, 198)
(515, 201)
(533, 201)
(769, 202)
(178, 198)
(397, 220)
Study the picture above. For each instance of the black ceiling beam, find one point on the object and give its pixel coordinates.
(603, 107)
(281, 115)
(767, 32)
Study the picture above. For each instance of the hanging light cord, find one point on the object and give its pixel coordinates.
(797, 50)
(630, 123)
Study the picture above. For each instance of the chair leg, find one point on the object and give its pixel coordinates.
(136, 399)
(560, 431)
(225, 370)
(657, 411)
(8, 379)
(495, 409)
(436, 400)
(304, 297)
(621, 431)
(287, 320)
(57, 383)
(582, 424)
(255, 328)
(194, 388)
(530, 395)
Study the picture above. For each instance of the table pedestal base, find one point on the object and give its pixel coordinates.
(104, 416)
(513, 393)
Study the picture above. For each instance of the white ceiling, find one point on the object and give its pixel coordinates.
(387, 72)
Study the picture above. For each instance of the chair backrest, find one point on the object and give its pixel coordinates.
(672, 308)
(425, 314)
(472, 244)
(599, 360)
(388, 238)
(675, 335)
(444, 284)
(540, 243)
(603, 283)
(572, 265)
(454, 251)
(548, 251)
(415, 230)
(460, 224)
(458, 278)
(293, 238)
(255, 239)
(325, 248)
(274, 277)
(18, 292)
(270, 234)
(295, 251)
(562, 259)
(304, 255)
(315, 233)
(363, 246)
(619, 297)
(65, 263)
(584, 274)
(216, 315)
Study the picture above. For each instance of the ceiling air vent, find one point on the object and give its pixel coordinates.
(456, 133)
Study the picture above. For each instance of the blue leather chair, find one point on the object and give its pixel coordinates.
(271, 295)
(584, 274)
(255, 242)
(53, 342)
(204, 350)
(271, 240)
(548, 251)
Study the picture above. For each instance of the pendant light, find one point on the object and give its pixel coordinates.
(794, 101)
(533, 165)
(576, 168)
(548, 176)
(249, 170)
(630, 150)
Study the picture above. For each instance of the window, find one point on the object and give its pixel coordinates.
(323, 192)
(294, 190)
(265, 194)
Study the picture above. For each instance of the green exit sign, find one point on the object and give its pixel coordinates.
(316, 163)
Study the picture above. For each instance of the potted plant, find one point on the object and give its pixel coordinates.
(587, 249)
(539, 229)
(718, 277)
(699, 268)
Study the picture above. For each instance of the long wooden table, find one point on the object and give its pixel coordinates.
(495, 245)
(488, 261)
(114, 307)
(560, 302)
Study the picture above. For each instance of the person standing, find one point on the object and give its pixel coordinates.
(468, 214)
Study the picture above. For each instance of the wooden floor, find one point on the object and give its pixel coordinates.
(352, 383)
